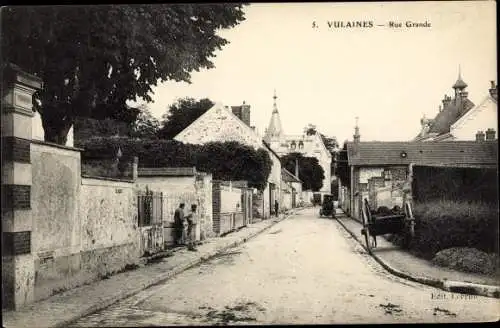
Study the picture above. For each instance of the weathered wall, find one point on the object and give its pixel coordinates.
(108, 212)
(219, 124)
(176, 190)
(82, 228)
(204, 197)
(55, 198)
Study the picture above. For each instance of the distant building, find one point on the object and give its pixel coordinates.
(307, 145)
(460, 119)
(220, 124)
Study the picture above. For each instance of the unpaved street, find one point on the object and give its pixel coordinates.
(303, 270)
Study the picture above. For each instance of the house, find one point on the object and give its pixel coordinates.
(459, 118)
(377, 165)
(309, 145)
(480, 122)
(291, 188)
(221, 124)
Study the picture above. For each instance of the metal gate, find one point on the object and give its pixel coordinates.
(150, 216)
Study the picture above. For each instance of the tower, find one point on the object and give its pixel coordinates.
(356, 135)
(459, 85)
(275, 131)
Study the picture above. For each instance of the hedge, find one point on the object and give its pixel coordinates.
(445, 224)
(225, 160)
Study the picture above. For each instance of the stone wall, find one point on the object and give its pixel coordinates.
(83, 228)
(220, 124)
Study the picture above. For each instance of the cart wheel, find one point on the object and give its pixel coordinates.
(410, 219)
(366, 228)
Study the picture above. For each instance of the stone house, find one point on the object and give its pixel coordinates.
(307, 145)
(380, 171)
(460, 119)
(220, 124)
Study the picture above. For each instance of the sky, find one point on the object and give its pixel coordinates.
(388, 77)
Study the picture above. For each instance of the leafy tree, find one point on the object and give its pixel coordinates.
(310, 172)
(92, 59)
(343, 171)
(146, 125)
(181, 114)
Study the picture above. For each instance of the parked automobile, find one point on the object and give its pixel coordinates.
(327, 207)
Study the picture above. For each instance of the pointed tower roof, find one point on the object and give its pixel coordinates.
(460, 84)
(275, 130)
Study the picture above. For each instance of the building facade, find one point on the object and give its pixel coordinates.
(221, 124)
(460, 119)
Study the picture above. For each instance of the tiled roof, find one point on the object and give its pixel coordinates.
(447, 153)
(166, 171)
(449, 115)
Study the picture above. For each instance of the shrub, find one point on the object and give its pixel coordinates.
(467, 259)
(446, 224)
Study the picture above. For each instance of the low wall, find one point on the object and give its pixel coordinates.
(227, 207)
(191, 189)
(83, 228)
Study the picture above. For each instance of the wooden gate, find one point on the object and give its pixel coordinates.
(150, 216)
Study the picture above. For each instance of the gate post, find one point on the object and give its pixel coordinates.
(18, 267)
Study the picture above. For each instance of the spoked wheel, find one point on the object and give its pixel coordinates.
(370, 240)
(409, 219)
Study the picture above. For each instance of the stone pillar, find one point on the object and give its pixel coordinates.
(18, 267)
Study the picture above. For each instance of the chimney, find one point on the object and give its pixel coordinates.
(480, 136)
(494, 90)
(464, 95)
(490, 134)
(446, 101)
(245, 113)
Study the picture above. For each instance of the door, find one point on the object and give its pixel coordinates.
(150, 217)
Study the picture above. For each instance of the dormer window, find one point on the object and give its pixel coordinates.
(301, 144)
(293, 145)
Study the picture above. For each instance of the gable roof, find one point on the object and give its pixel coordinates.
(481, 105)
(447, 153)
(449, 115)
(218, 106)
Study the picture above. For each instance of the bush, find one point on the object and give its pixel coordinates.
(446, 224)
(468, 260)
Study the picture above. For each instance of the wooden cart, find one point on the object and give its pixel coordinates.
(376, 225)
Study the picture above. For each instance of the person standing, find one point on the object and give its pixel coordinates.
(179, 222)
(191, 220)
(276, 207)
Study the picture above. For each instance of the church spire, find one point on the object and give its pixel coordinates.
(356, 135)
(275, 107)
(460, 84)
(275, 130)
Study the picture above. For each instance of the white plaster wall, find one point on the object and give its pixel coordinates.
(108, 212)
(230, 200)
(480, 118)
